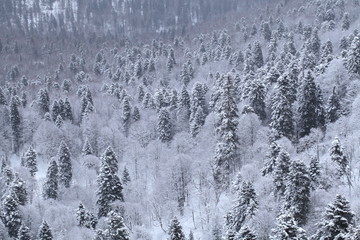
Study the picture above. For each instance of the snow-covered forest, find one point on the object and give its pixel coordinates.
(179, 119)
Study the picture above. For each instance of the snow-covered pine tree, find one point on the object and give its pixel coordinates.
(165, 128)
(345, 22)
(67, 111)
(198, 122)
(45, 232)
(18, 190)
(175, 230)
(43, 101)
(125, 176)
(116, 229)
(314, 172)
(271, 156)
(24, 233)
(136, 114)
(297, 193)
(126, 115)
(50, 188)
(2, 97)
(197, 100)
(15, 122)
(109, 158)
(257, 94)
(81, 215)
(245, 206)
(257, 55)
(65, 165)
(55, 110)
(10, 215)
(338, 156)
(281, 172)
(333, 109)
(87, 149)
(30, 161)
(337, 221)
(353, 60)
(245, 233)
(287, 229)
(59, 122)
(109, 189)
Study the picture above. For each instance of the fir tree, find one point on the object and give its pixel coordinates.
(24, 233)
(67, 111)
(297, 194)
(257, 55)
(136, 114)
(346, 22)
(2, 97)
(50, 188)
(109, 158)
(81, 215)
(43, 101)
(287, 229)
(245, 206)
(30, 161)
(197, 100)
(175, 230)
(338, 156)
(245, 233)
(87, 149)
(353, 60)
(198, 122)
(10, 216)
(116, 227)
(125, 176)
(272, 155)
(164, 126)
(55, 110)
(126, 115)
(109, 190)
(333, 109)
(265, 28)
(141, 94)
(45, 232)
(337, 221)
(314, 172)
(59, 121)
(15, 123)
(281, 172)
(65, 166)
(257, 94)
(18, 190)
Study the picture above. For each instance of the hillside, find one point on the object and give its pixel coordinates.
(179, 119)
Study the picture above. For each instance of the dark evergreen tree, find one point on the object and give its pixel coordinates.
(87, 149)
(266, 31)
(18, 190)
(109, 190)
(24, 233)
(55, 110)
(23, 99)
(59, 122)
(141, 94)
(50, 188)
(197, 100)
(45, 232)
(245, 233)
(175, 230)
(314, 172)
(30, 161)
(297, 194)
(125, 176)
(345, 22)
(281, 172)
(344, 43)
(338, 156)
(109, 158)
(2, 97)
(126, 115)
(164, 128)
(65, 166)
(257, 55)
(353, 60)
(136, 114)
(10, 215)
(337, 221)
(257, 94)
(15, 123)
(116, 227)
(272, 155)
(287, 229)
(67, 111)
(333, 109)
(43, 101)
(81, 215)
(198, 122)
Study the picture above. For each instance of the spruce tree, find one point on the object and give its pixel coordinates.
(15, 123)
(109, 190)
(338, 156)
(337, 221)
(281, 172)
(50, 188)
(24, 233)
(314, 172)
(81, 215)
(43, 101)
(59, 122)
(10, 215)
(198, 122)
(271, 159)
(257, 55)
(353, 60)
(165, 129)
(45, 232)
(287, 229)
(109, 158)
(2, 97)
(65, 166)
(175, 230)
(333, 109)
(257, 94)
(136, 114)
(87, 149)
(126, 115)
(297, 194)
(125, 177)
(55, 110)
(245, 233)
(67, 111)
(345, 22)
(18, 190)
(30, 161)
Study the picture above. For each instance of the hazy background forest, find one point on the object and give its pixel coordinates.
(179, 119)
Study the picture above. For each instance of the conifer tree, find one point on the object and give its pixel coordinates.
(272, 155)
(67, 111)
(55, 110)
(333, 109)
(109, 190)
(164, 128)
(245, 206)
(59, 121)
(281, 172)
(314, 172)
(2, 97)
(337, 221)
(45, 232)
(197, 100)
(24, 233)
(43, 101)
(30, 161)
(50, 188)
(136, 114)
(345, 22)
(257, 94)
(353, 60)
(297, 194)
(175, 230)
(245, 233)
(338, 156)
(257, 55)
(266, 31)
(126, 115)
(141, 94)
(15, 123)
(125, 176)
(287, 229)
(10, 215)
(18, 190)
(87, 149)
(81, 215)
(109, 158)
(116, 227)
(65, 166)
